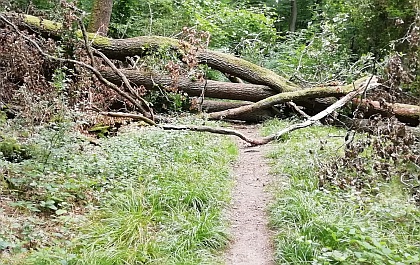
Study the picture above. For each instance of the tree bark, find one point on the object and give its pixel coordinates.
(409, 114)
(225, 63)
(256, 116)
(212, 89)
(245, 70)
(100, 17)
(316, 92)
(293, 15)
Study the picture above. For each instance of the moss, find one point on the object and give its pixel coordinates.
(266, 76)
(96, 39)
(43, 23)
(100, 130)
(13, 151)
(53, 28)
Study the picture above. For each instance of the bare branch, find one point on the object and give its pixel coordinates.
(127, 84)
(92, 69)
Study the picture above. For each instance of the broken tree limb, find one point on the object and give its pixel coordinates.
(121, 48)
(216, 130)
(315, 92)
(409, 114)
(256, 116)
(292, 105)
(340, 103)
(145, 106)
(213, 89)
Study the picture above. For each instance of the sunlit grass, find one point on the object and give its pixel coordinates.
(333, 226)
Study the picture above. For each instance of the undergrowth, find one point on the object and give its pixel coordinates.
(145, 196)
(329, 224)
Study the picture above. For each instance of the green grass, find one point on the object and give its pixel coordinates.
(146, 196)
(330, 225)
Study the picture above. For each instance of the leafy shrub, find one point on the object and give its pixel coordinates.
(153, 17)
(229, 26)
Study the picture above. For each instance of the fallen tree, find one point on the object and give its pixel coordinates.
(121, 48)
(264, 89)
(260, 141)
(302, 94)
(405, 113)
(212, 89)
(266, 97)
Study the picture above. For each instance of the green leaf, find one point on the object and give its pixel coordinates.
(60, 212)
(366, 245)
(4, 244)
(338, 256)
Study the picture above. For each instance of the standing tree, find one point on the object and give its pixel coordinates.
(293, 17)
(100, 17)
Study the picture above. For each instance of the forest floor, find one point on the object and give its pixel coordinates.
(251, 239)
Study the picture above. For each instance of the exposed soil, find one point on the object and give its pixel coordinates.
(251, 241)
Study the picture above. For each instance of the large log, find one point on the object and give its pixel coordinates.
(212, 89)
(121, 48)
(316, 92)
(409, 114)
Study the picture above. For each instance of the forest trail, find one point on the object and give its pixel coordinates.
(251, 241)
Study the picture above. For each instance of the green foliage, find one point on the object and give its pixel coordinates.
(372, 25)
(24, 5)
(13, 151)
(229, 25)
(331, 226)
(153, 17)
(318, 55)
(158, 197)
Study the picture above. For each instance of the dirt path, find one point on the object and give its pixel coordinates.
(251, 239)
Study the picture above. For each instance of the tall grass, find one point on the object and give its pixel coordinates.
(333, 226)
(154, 197)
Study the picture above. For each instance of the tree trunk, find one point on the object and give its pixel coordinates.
(245, 70)
(409, 114)
(293, 15)
(100, 17)
(212, 89)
